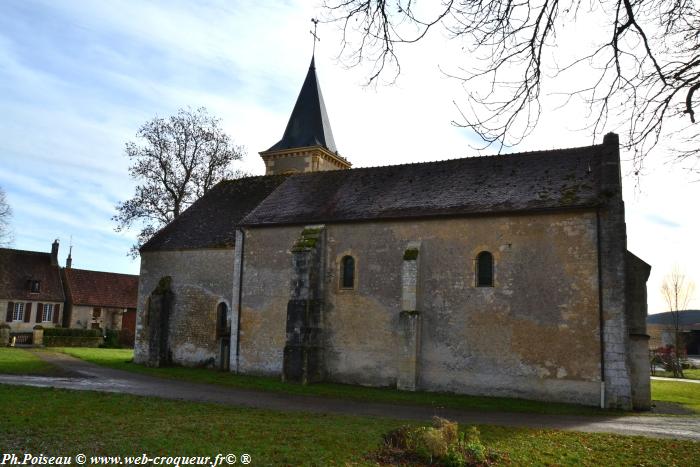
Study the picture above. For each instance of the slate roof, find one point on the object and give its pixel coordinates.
(18, 267)
(211, 221)
(541, 180)
(308, 125)
(102, 289)
(533, 181)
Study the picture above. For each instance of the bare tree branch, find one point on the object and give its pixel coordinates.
(644, 74)
(6, 236)
(677, 290)
(181, 158)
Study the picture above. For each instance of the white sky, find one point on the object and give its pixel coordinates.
(78, 78)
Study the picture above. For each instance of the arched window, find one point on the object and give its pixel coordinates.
(222, 320)
(484, 269)
(347, 272)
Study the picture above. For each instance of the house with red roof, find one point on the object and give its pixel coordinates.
(100, 300)
(31, 289)
(34, 289)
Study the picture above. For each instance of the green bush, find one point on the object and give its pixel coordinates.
(111, 340)
(440, 444)
(69, 332)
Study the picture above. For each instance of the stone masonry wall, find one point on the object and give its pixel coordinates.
(264, 298)
(535, 334)
(82, 317)
(613, 250)
(201, 279)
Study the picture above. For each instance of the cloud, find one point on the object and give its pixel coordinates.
(78, 78)
(660, 220)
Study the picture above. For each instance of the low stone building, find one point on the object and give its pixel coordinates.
(31, 290)
(504, 275)
(101, 300)
(662, 330)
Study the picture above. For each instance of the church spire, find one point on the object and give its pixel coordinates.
(307, 144)
(308, 125)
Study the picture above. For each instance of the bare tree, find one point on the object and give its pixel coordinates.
(179, 159)
(677, 291)
(6, 236)
(643, 72)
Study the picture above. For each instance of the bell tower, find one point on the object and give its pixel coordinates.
(307, 144)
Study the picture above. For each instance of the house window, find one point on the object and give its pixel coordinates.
(47, 312)
(18, 312)
(484, 269)
(347, 272)
(34, 286)
(97, 313)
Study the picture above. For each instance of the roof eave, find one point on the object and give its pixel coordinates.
(490, 213)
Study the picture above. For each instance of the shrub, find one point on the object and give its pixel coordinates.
(69, 332)
(439, 444)
(111, 339)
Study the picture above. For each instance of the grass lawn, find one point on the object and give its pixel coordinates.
(60, 422)
(121, 359)
(685, 394)
(20, 361)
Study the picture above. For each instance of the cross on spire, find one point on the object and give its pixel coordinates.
(313, 33)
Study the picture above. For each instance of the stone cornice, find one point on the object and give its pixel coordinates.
(308, 150)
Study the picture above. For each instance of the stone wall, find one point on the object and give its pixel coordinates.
(81, 316)
(266, 284)
(21, 326)
(302, 160)
(612, 258)
(201, 279)
(535, 334)
(637, 273)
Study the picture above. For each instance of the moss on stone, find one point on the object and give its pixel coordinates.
(305, 244)
(311, 231)
(411, 254)
(570, 195)
(307, 240)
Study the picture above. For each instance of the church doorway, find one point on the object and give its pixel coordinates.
(223, 334)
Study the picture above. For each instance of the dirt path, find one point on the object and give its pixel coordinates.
(91, 377)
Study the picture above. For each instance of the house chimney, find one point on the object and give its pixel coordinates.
(54, 253)
(69, 260)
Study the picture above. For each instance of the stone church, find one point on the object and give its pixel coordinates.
(503, 275)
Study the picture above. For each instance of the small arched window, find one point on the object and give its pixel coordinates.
(222, 320)
(347, 272)
(484, 269)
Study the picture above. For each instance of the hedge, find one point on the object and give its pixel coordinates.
(68, 341)
(69, 332)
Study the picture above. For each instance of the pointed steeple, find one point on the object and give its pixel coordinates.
(307, 144)
(308, 125)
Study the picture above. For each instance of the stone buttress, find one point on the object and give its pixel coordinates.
(303, 350)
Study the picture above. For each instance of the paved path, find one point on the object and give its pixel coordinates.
(88, 376)
(677, 380)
